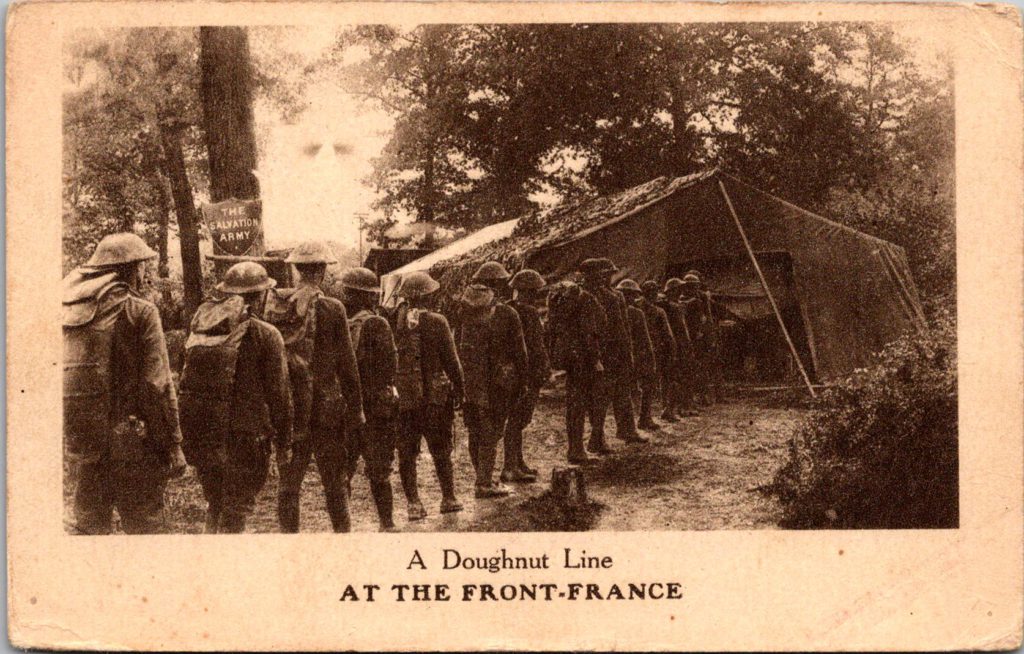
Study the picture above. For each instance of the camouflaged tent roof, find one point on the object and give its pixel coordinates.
(548, 228)
(854, 292)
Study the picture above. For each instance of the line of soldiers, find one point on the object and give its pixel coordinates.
(301, 375)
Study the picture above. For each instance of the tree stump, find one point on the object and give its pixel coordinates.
(568, 485)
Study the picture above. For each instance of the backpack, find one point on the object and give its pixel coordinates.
(355, 327)
(563, 306)
(293, 312)
(208, 377)
(88, 328)
(475, 333)
(409, 375)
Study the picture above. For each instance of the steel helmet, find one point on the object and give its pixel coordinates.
(691, 280)
(628, 285)
(311, 252)
(650, 287)
(527, 280)
(417, 284)
(492, 271)
(360, 279)
(672, 284)
(117, 249)
(246, 277)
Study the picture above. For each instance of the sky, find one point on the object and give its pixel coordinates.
(311, 171)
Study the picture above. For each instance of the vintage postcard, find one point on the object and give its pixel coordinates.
(515, 326)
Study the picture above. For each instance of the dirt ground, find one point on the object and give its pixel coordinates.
(701, 473)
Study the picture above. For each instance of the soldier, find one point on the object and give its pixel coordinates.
(325, 386)
(575, 323)
(527, 286)
(235, 397)
(683, 379)
(616, 355)
(494, 361)
(664, 344)
(707, 347)
(643, 351)
(120, 410)
(377, 358)
(430, 389)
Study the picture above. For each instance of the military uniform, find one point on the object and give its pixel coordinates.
(576, 321)
(337, 405)
(377, 358)
(494, 361)
(711, 361)
(680, 381)
(229, 416)
(619, 375)
(118, 437)
(646, 367)
(538, 372)
(663, 342)
(429, 380)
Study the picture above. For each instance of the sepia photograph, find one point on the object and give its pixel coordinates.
(514, 326)
(509, 277)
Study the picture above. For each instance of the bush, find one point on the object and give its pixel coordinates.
(879, 451)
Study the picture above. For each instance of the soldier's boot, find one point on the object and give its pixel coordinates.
(646, 421)
(446, 480)
(597, 444)
(337, 509)
(485, 486)
(407, 471)
(513, 468)
(383, 499)
(288, 512)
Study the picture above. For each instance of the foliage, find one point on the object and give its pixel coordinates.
(492, 120)
(880, 450)
(121, 87)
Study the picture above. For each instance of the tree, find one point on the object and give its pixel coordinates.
(128, 89)
(226, 88)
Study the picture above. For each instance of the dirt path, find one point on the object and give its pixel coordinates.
(695, 474)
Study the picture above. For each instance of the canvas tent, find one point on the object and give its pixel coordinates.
(842, 294)
(453, 250)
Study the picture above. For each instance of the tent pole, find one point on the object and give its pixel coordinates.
(767, 291)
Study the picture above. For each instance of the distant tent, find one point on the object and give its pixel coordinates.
(842, 294)
(455, 249)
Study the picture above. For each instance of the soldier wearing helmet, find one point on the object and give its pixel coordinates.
(325, 385)
(494, 362)
(703, 327)
(682, 396)
(528, 298)
(430, 389)
(616, 354)
(235, 397)
(121, 427)
(662, 339)
(377, 358)
(643, 351)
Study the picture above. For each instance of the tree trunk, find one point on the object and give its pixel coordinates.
(163, 218)
(226, 92)
(425, 210)
(185, 210)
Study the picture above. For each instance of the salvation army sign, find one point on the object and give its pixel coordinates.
(235, 225)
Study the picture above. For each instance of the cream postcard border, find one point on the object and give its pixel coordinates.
(748, 590)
